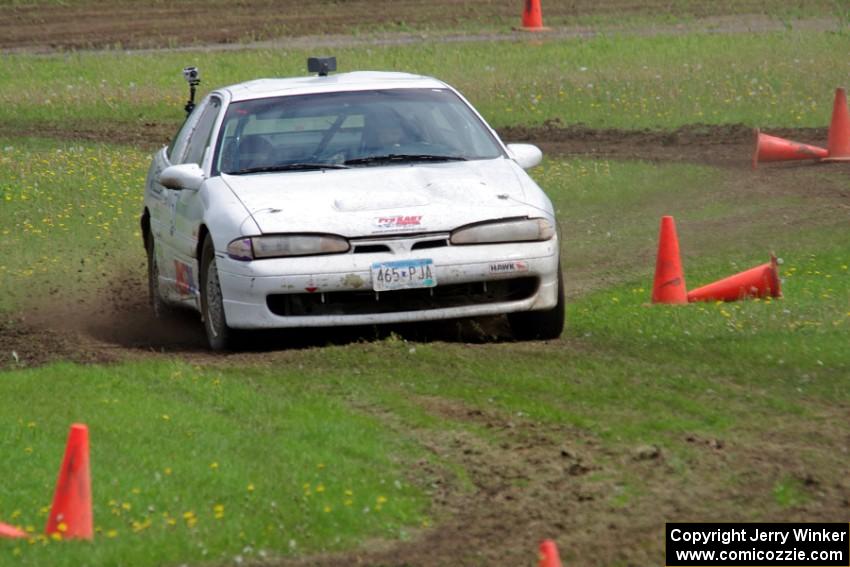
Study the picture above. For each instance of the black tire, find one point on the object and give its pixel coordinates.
(219, 335)
(540, 325)
(159, 307)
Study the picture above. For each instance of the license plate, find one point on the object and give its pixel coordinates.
(403, 274)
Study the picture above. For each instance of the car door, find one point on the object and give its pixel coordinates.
(181, 209)
(187, 208)
(160, 202)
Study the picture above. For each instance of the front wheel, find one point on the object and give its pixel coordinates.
(219, 335)
(543, 325)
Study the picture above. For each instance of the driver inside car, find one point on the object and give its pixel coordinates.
(384, 134)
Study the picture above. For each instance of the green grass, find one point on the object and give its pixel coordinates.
(789, 493)
(779, 345)
(609, 213)
(627, 374)
(170, 438)
(68, 209)
(608, 257)
(192, 464)
(778, 79)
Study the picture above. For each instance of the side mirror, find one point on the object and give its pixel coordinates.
(526, 155)
(184, 176)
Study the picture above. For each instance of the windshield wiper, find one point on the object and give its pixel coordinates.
(288, 167)
(402, 158)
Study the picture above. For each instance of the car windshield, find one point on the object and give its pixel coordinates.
(350, 129)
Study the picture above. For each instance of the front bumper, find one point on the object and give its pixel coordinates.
(336, 290)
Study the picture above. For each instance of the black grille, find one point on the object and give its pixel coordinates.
(370, 248)
(367, 301)
(430, 244)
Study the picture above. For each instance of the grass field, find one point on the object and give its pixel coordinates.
(50, 25)
(776, 79)
(719, 412)
(67, 209)
(191, 463)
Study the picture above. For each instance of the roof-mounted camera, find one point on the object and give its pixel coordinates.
(193, 77)
(321, 65)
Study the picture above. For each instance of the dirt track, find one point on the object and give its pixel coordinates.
(117, 323)
(97, 24)
(532, 479)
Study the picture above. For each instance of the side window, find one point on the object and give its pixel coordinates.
(177, 149)
(200, 138)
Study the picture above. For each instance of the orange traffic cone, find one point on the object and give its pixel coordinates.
(761, 281)
(669, 284)
(771, 148)
(11, 532)
(549, 554)
(838, 142)
(532, 17)
(71, 513)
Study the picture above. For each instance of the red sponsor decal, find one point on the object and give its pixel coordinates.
(399, 221)
(184, 277)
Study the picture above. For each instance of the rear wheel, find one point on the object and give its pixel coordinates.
(219, 335)
(158, 306)
(543, 325)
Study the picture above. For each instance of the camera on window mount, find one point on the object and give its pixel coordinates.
(192, 75)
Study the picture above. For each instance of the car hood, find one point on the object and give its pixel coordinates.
(367, 201)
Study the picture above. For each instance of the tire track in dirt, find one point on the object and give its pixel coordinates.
(286, 24)
(528, 480)
(116, 322)
(532, 481)
(727, 145)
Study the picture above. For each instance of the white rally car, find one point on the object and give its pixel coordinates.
(348, 199)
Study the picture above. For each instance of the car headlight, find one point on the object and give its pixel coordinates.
(524, 230)
(283, 245)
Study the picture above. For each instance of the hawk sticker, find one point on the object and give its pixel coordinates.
(511, 267)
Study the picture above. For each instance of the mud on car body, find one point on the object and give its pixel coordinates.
(348, 199)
